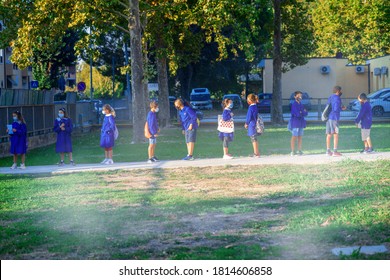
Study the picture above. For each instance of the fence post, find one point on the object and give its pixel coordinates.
(319, 108)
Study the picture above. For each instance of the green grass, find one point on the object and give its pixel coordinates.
(276, 212)
(171, 144)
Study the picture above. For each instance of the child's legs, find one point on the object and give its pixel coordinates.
(23, 156)
(62, 155)
(225, 145)
(110, 152)
(369, 143)
(299, 143)
(15, 158)
(292, 144)
(328, 138)
(151, 149)
(70, 156)
(105, 153)
(335, 141)
(190, 148)
(256, 148)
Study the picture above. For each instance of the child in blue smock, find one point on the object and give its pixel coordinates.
(153, 130)
(364, 121)
(250, 123)
(18, 136)
(227, 137)
(107, 138)
(63, 127)
(298, 123)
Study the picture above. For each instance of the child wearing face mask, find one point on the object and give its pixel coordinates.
(364, 122)
(63, 127)
(227, 115)
(107, 138)
(153, 130)
(18, 135)
(298, 123)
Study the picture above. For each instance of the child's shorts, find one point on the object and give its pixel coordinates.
(152, 141)
(297, 131)
(253, 138)
(365, 134)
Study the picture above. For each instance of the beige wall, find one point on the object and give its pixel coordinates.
(383, 80)
(20, 77)
(308, 78)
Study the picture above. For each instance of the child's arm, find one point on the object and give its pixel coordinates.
(360, 115)
(56, 127)
(69, 126)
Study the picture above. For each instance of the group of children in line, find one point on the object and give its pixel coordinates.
(189, 122)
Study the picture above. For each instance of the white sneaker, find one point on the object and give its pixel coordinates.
(22, 166)
(227, 157)
(109, 161)
(104, 161)
(13, 166)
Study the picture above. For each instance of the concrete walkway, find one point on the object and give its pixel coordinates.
(266, 160)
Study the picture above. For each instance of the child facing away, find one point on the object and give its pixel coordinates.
(227, 137)
(153, 130)
(364, 121)
(18, 135)
(63, 127)
(298, 123)
(250, 123)
(107, 138)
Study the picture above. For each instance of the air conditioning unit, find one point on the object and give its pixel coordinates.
(384, 70)
(359, 69)
(325, 69)
(377, 71)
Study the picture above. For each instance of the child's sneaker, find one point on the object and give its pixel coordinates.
(150, 160)
(22, 166)
(72, 163)
(293, 154)
(104, 161)
(109, 161)
(14, 166)
(188, 157)
(336, 154)
(329, 153)
(227, 157)
(300, 153)
(155, 159)
(368, 151)
(363, 151)
(61, 163)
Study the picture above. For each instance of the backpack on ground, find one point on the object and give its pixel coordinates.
(326, 112)
(259, 125)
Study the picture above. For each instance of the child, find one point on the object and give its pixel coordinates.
(298, 123)
(18, 139)
(364, 120)
(153, 130)
(189, 126)
(107, 139)
(63, 127)
(224, 136)
(250, 123)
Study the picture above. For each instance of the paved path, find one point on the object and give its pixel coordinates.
(266, 160)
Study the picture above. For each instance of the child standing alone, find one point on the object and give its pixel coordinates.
(364, 121)
(298, 123)
(18, 135)
(153, 130)
(227, 137)
(63, 127)
(250, 123)
(107, 138)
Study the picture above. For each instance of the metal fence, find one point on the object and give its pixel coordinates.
(14, 97)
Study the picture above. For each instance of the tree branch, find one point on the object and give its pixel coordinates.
(124, 5)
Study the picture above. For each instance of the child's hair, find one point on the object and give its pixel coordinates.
(363, 96)
(19, 116)
(64, 111)
(297, 92)
(253, 99)
(153, 104)
(226, 102)
(179, 102)
(109, 109)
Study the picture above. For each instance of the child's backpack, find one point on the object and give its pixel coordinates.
(259, 125)
(326, 112)
(116, 133)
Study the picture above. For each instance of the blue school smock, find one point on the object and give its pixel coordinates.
(335, 101)
(188, 117)
(107, 135)
(251, 119)
(64, 139)
(19, 139)
(298, 114)
(152, 123)
(226, 116)
(365, 115)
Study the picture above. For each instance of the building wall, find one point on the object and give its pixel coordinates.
(382, 80)
(308, 78)
(11, 76)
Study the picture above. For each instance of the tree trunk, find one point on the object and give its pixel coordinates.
(137, 73)
(163, 92)
(276, 108)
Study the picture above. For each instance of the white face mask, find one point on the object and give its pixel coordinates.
(157, 109)
(103, 112)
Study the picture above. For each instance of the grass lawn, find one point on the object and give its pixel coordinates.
(171, 144)
(276, 212)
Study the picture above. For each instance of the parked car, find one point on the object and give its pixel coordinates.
(97, 104)
(200, 99)
(380, 94)
(306, 102)
(380, 105)
(264, 104)
(237, 101)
